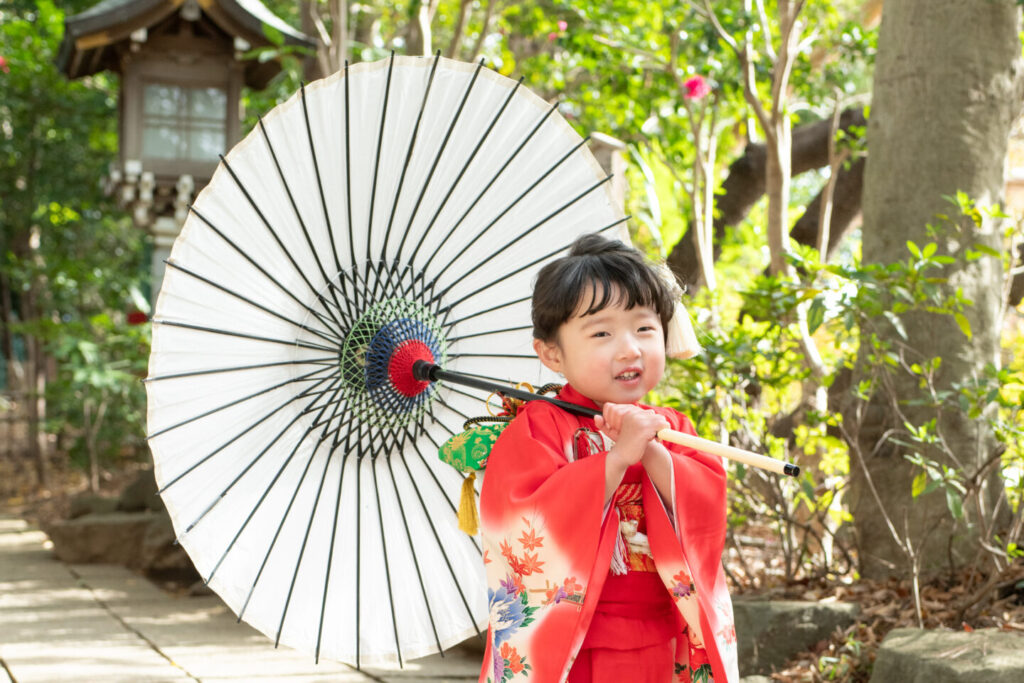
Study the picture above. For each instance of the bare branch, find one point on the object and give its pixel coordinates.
(460, 27)
(485, 26)
(323, 49)
(339, 17)
(769, 48)
(790, 36)
(834, 162)
(629, 48)
(750, 95)
(710, 15)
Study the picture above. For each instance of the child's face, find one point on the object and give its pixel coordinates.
(615, 355)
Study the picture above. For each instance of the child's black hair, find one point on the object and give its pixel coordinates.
(621, 271)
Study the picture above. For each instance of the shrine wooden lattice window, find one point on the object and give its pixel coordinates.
(183, 123)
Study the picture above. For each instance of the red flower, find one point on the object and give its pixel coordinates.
(509, 654)
(515, 664)
(4, 66)
(682, 577)
(506, 550)
(696, 88)
(134, 317)
(571, 586)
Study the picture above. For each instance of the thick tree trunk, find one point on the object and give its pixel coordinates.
(946, 91)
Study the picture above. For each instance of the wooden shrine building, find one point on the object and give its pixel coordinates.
(182, 66)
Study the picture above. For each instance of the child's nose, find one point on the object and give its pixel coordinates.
(629, 349)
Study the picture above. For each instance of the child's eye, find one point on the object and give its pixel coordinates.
(600, 334)
(647, 328)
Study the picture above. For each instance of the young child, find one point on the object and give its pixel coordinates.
(602, 545)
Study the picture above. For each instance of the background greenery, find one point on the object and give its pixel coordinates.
(73, 266)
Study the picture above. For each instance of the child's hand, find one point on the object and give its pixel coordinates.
(631, 428)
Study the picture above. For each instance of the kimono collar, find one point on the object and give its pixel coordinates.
(570, 395)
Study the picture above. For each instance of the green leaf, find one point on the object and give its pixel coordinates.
(913, 249)
(815, 315)
(896, 323)
(955, 504)
(273, 34)
(919, 484)
(985, 249)
(965, 325)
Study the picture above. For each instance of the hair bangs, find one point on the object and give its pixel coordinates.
(597, 273)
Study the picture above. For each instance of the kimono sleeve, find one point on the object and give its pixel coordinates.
(529, 474)
(547, 544)
(687, 541)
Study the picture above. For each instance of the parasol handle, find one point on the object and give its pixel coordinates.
(424, 371)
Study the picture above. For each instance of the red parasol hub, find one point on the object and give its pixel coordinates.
(400, 367)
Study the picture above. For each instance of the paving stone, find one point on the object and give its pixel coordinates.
(983, 656)
(458, 664)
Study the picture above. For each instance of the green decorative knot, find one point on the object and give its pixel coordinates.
(468, 451)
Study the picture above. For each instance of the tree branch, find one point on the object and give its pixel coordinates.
(745, 184)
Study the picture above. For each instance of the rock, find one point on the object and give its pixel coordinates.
(910, 655)
(769, 632)
(141, 494)
(140, 540)
(157, 551)
(90, 503)
(113, 538)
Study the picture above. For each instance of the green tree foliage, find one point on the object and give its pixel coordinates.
(71, 262)
(620, 67)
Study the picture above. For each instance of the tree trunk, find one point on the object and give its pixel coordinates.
(946, 91)
(310, 68)
(417, 36)
(35, 401)
(6, 336)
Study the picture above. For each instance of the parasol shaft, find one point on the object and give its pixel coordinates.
(424, 371)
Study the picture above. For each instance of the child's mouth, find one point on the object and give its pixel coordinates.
(628, 375)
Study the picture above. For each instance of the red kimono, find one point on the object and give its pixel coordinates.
(549, 542)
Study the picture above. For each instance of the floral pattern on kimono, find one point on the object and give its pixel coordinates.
(548, 540)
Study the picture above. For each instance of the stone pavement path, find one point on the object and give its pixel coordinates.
(62, 622)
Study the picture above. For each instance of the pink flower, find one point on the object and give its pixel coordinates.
(696, 88)
(552, 37)
(562, 25)
(4, 66)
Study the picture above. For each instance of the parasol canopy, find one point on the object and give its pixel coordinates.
(394, 212)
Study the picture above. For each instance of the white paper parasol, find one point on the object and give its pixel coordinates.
(395, 211)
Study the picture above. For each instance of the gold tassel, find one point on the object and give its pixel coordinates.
(469, 519)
